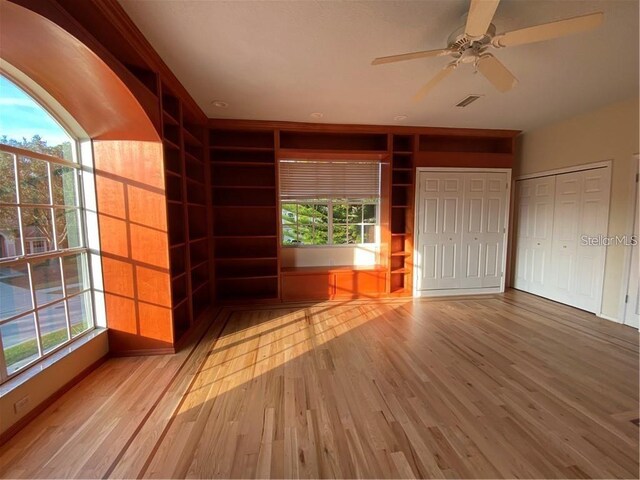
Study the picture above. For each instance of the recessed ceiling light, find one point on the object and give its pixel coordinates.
(317, 115)
(399, 118)
(219, 104)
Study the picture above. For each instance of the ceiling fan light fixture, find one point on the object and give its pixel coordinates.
(219, 104)
(469, 99)
(399, 118)
(317, 115)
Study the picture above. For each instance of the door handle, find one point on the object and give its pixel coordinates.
(564, 246)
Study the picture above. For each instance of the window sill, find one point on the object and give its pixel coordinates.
(31, 372)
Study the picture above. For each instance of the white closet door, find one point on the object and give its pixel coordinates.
(555, 215)
(483, 230)
(566, 233)
(439, 230)
(593, 222)
(535, 198)
(461, 221)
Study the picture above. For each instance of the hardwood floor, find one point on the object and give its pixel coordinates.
(499, 386)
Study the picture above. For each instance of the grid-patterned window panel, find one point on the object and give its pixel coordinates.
(45, 290)
(329, 222)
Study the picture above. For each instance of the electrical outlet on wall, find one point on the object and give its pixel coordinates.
(21, 404)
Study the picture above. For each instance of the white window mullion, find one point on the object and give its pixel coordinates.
(36, 318)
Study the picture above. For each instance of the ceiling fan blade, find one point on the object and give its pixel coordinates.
(496, 73)
(547, 31)
(411, 56)
(434, 81)
(481, 13)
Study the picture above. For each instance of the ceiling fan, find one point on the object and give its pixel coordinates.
(471, 43)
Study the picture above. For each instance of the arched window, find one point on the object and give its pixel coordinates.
(45, 287)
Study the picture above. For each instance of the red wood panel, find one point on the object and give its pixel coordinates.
(358, 284)
(316, 286)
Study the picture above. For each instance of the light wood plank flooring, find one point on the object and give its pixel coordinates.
(499, 386)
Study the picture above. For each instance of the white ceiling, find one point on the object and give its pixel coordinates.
(283, 60)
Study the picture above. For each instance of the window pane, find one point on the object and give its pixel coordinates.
(7, 174)
(305, 234)
(10, 245)
(355, 213)
(80, 313)
(75, 273)
(15, 295)
(369, 234)
(339, 213)
(321, 234)
(321, 215)
(63, 185)
(19, 342)
(355, 234)
(53, 326)
(34, 181)
(289, 213)
(289, 236)
(68, 228)
(339, 234)
(369, 214)
(47, 281)
(37, 226)
(305, 214)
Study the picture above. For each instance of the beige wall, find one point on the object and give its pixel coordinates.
(48, 381)
(609, 133)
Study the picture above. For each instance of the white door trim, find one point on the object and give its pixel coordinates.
(571, 169)
(418, 293)
(631, 218)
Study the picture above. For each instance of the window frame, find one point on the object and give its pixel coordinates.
(29, 259)
(330, 203)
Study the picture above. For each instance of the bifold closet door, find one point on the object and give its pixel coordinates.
(581, 213)
(483, 229)
(461, 221)
(439, 230)
(557, 215)
(535, 199)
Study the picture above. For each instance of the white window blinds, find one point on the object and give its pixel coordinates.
(308, 179)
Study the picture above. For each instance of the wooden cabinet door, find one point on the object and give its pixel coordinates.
(354, 284)
(317, 286)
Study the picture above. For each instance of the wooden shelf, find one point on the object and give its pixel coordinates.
(319, 154)
(169, 119)
(229, 148)
(191, 138)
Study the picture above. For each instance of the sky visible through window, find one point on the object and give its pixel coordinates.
(21, 117)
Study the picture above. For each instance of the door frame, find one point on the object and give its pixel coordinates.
(634, 211)
(416, 268)
(580, 168)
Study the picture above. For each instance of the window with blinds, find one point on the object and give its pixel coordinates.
(329, 202)
(329, 179)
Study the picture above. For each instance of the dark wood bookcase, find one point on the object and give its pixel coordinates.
(245, 217)
(402, 188)
(188, 213)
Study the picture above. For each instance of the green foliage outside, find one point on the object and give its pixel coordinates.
(307, 223)
(34, 188)
(28, 348)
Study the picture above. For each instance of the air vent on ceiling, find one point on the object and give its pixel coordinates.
(467, 100)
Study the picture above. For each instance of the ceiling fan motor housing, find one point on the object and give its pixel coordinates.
(466, 49)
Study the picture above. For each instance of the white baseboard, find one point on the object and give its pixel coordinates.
(607, 317)
(457, 291)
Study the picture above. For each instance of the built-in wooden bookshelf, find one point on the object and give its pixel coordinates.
(188, 213)
(245, 217)
(401, 248)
